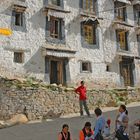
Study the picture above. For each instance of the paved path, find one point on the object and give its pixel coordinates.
(49, 130)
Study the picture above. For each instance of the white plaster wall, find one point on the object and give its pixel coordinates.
(31, 40)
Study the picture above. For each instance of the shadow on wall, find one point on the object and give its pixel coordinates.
(38, 20)
(36, 64)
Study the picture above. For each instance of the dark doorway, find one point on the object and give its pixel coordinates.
(53, 72)
(56, 69)
(126, 71)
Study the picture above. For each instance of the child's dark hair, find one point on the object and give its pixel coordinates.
(98, 111)
(82, 82)
(124, 108)
(65, 125)
(87, 124)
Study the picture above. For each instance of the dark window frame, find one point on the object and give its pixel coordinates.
(88, 5)
(87, 68)
(93, 33)
(120, 11)
(51, 24)
(18, 57)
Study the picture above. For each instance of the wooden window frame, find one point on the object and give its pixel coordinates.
(53, 33)
(21, 59)
(120, 12)
(89, 33)
(20, 14)
(57, 2)
(89, 5)
(89, 67)
(122, 39)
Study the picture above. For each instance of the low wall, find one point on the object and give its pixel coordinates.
(53, 101)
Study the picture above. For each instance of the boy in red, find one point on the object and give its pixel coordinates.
(81, 90)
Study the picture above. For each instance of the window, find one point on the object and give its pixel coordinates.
(88, 5)
(86, 67)
(138, 38)
(56, 2)
(18, 18)
(18, 57)
(56, 27)
(122, 39)
(108, 68)
(89, 33)
(136, 10)
(120, 11)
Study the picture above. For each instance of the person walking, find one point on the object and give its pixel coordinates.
(81, 90)
(99, 125)
(121, 126)
(86, 132)
(64, 134)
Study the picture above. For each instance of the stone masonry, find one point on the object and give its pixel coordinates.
(33, 40)
(54, 101)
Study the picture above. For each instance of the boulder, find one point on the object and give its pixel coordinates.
(16, 119)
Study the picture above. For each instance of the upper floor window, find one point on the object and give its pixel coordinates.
(122, 39)
(18, 18)
(56, 2)
(120, 11)
(88, 5)
(55, 27)
(137, 14)
(89, 33)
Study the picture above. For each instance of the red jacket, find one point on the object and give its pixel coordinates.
(81, 90)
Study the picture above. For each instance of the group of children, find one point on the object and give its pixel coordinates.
(102, 127)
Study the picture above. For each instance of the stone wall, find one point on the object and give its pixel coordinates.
(54, 101)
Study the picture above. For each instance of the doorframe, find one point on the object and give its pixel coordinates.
(131, 72)
(63, 74)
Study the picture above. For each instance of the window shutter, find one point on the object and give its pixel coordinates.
(126, 41)
(90, 67)
(82, 29)
(124, 14)
(94, 33)
(47, 24)
(61, 29)
(47, 65)
(24, 20)
(81, 3)
(13, 19)
(80, 66)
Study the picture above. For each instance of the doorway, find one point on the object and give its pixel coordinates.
(126, 71)
(55, 68)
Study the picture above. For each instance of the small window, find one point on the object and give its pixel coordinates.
(18, 18)
(56, 2)
(108, 68)
(86, 66)
(138, 38)
(18, 57)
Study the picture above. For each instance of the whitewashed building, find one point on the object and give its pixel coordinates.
(66, 41)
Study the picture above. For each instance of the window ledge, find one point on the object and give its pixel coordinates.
(86, 72)
(55, 8)
(19, 28)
